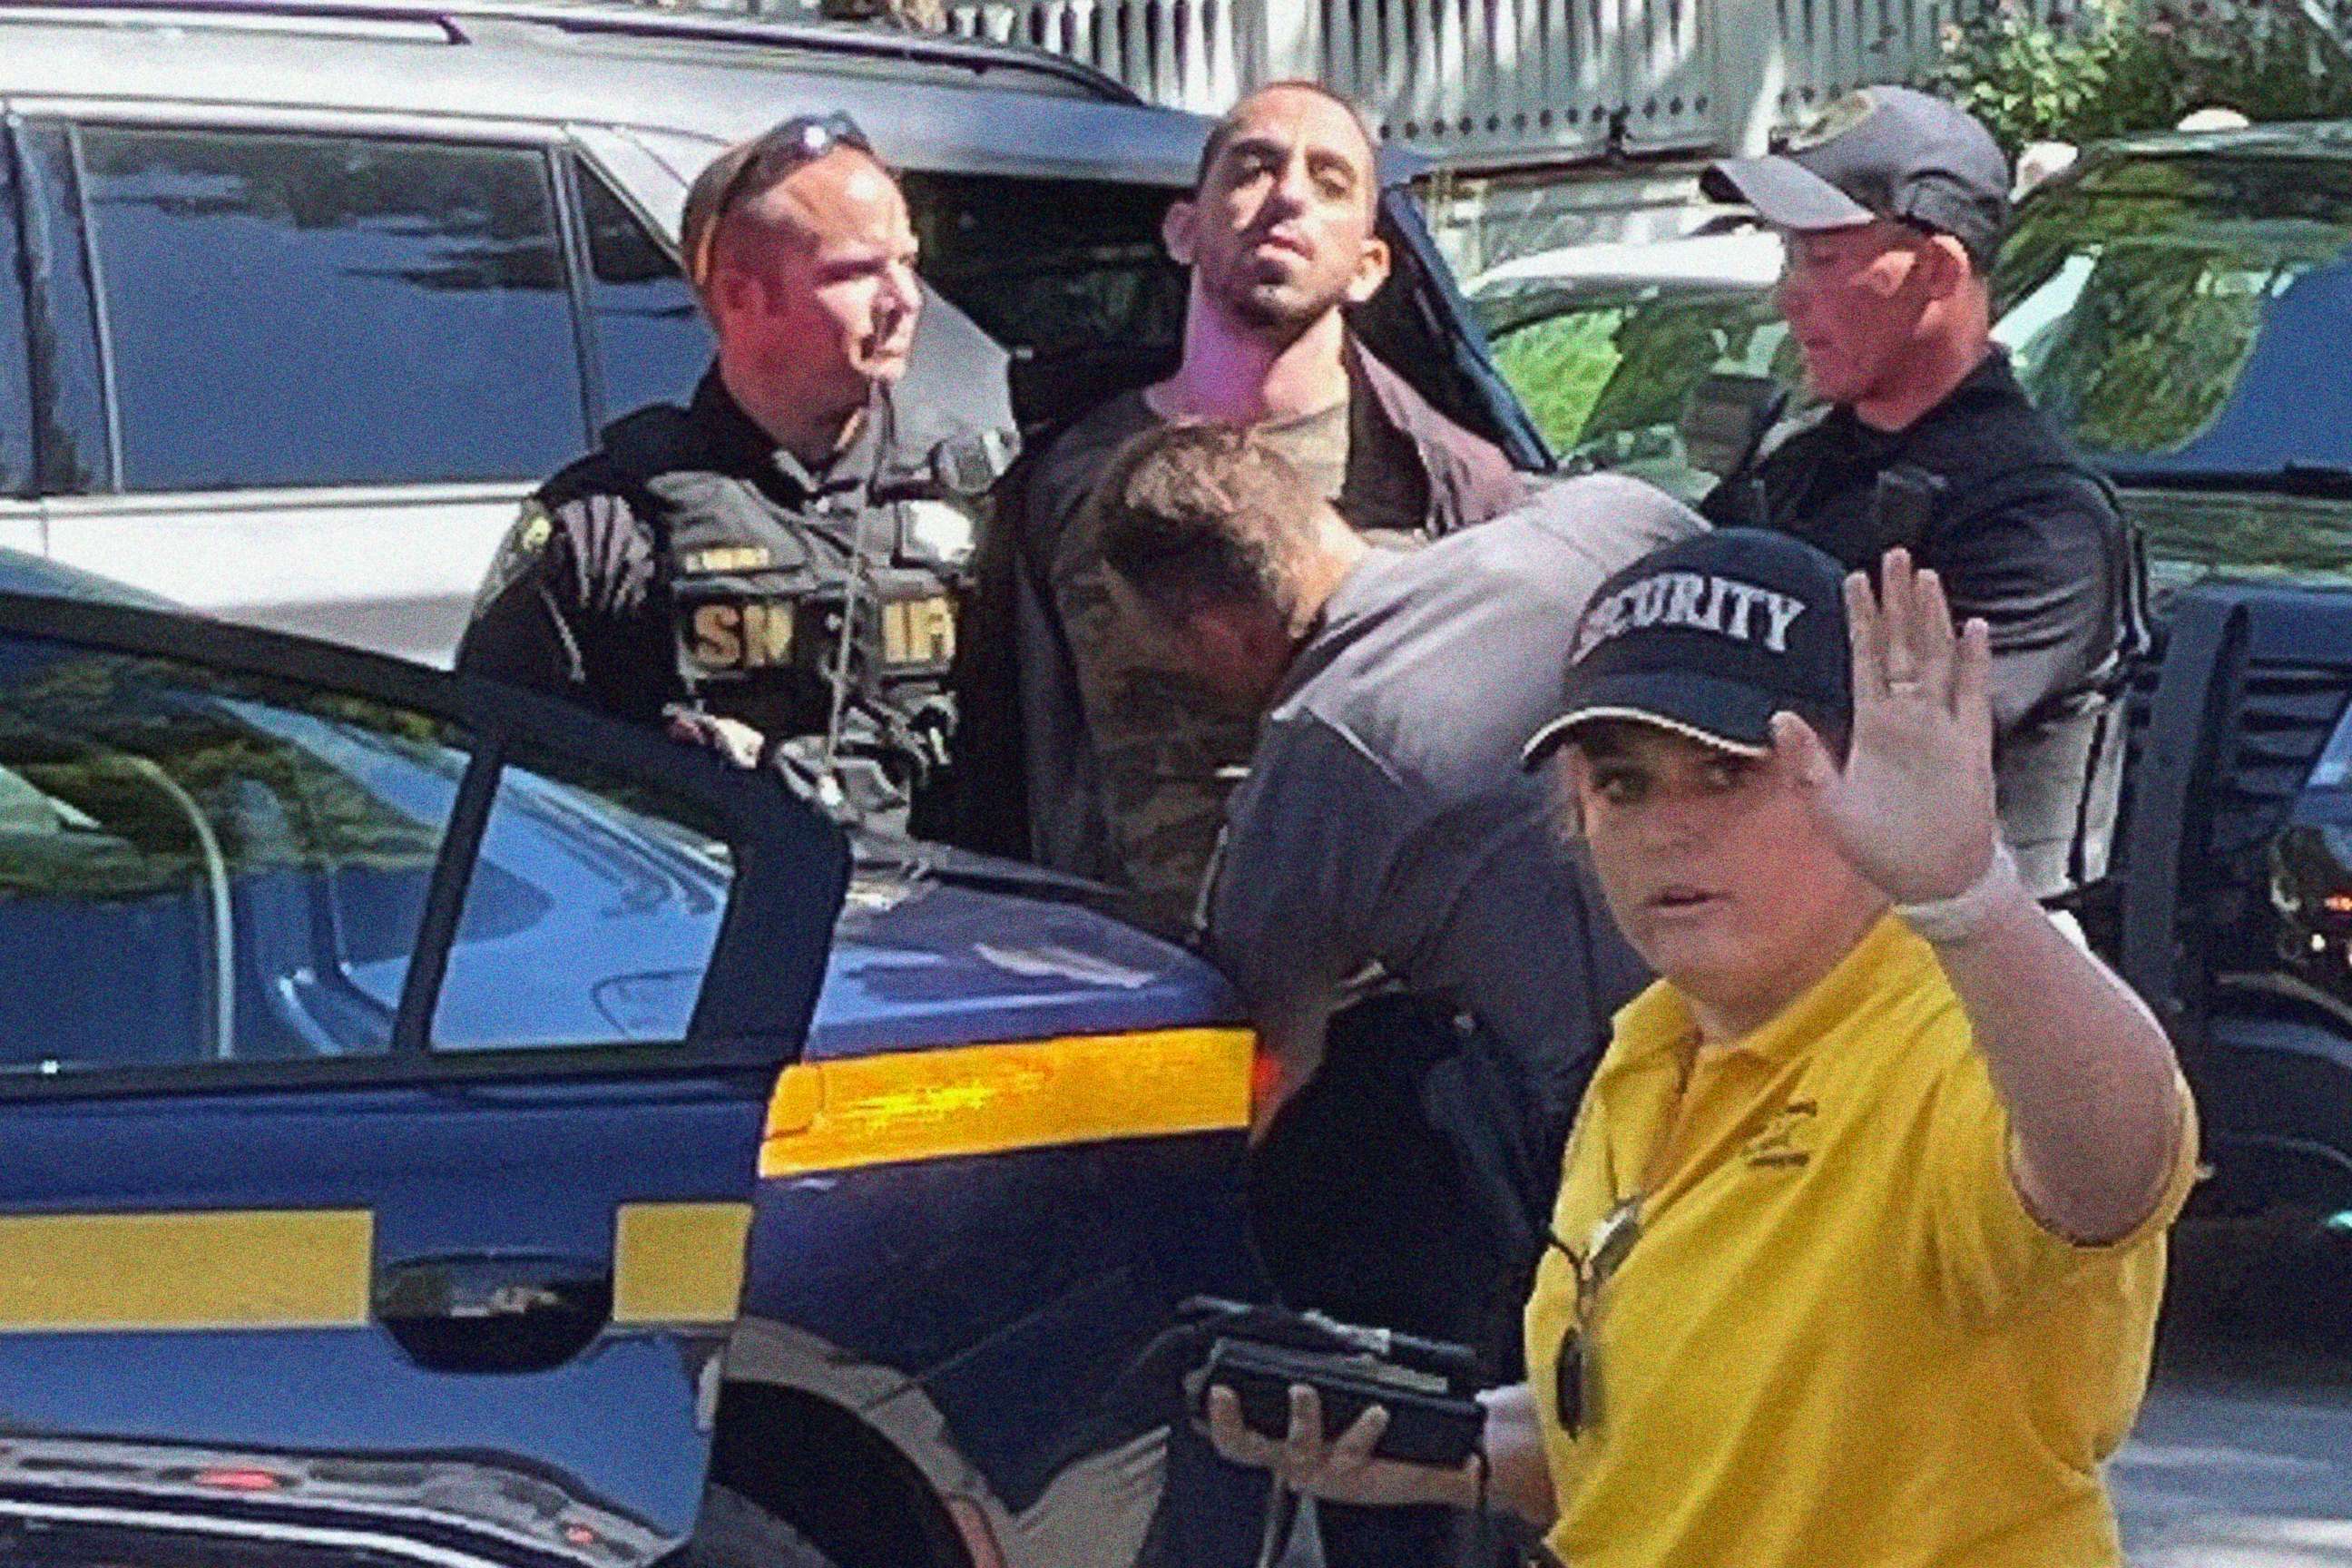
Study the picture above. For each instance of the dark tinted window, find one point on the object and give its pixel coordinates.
(199, 868)
(651, 340)
(73, 449)
(1072, 271)
(15, 351)
(311, 310)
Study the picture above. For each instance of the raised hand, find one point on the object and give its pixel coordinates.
(1913, 807)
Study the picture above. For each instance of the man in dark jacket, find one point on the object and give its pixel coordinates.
(1126, 772)
(1892, 207)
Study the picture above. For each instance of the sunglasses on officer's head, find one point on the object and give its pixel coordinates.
(1575, 1390)
(764, 159)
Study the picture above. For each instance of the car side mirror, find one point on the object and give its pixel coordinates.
(1726, 417)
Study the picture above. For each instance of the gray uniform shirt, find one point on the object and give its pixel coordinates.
(1387, 822)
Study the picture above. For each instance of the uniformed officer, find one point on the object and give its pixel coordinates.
(774, 568)
(1891, 207)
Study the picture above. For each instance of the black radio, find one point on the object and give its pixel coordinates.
(1429, 1387)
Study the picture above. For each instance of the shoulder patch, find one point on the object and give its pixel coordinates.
(525, 542)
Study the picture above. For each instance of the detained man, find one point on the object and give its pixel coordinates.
(1126, 772)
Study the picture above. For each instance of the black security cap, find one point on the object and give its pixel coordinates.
(1710, 637)
(1881, 152)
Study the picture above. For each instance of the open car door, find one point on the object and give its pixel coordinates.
(383, 1057)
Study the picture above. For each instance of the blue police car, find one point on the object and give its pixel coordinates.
(443, 1126)
(437, 1126)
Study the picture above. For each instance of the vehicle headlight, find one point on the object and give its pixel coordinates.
(2311, 870)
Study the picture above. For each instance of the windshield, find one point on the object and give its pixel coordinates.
(2189, 313)
(1606, 370)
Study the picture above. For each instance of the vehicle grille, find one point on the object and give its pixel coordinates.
(2284, 713)
(2281, 721)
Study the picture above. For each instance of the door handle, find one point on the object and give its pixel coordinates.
(494, 1312)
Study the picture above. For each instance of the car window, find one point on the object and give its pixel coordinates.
(1607, 371)
(15, 347)
(1558, 364)
(652, 340)
(294, 309)
(2188, 314)
(1088, 298)
(591, 918)
(201, 867)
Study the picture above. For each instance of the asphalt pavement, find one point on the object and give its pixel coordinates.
(2243, 1458)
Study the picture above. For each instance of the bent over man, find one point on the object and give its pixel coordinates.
(1127, 773)
(774, 566)
(1387, 855)
(1891, 210)
(1860, 1237)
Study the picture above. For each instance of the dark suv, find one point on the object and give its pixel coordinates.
(2183, 306)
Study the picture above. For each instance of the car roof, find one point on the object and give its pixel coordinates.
(930, 103)
(2303, 138)
(1746, 259)
(29, 574)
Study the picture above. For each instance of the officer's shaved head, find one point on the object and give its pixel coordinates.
(747, 199)
(844, 192)
(801, 248)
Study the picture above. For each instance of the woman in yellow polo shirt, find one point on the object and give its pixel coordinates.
(1860, 1236)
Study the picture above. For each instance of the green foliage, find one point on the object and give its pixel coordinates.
(2114, 66)
(1560, 366)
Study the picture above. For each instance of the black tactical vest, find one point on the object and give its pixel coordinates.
(2059, 770)
(834, 616)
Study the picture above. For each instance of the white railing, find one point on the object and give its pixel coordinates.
(1187, 53)
(1492, 82)
(1485, 81)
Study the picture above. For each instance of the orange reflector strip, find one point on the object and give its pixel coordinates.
(987, 1100)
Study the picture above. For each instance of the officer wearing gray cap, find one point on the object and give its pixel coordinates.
(1892, 206)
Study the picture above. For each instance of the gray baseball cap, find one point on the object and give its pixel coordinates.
(1880, 151)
